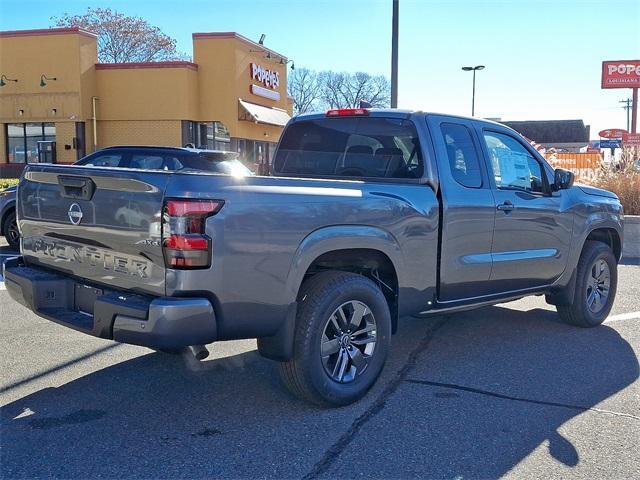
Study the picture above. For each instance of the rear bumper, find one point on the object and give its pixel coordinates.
(161, 322)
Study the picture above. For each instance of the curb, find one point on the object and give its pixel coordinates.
(631, 246)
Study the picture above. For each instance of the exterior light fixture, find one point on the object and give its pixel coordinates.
(473, 94)
(4, 80)
(21, 112)
(54, 111)
(261, 41)
(282, 62)
(43, 77)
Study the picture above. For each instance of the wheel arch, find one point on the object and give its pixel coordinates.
(607, 235)
(368, 251)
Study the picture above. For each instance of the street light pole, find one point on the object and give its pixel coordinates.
(394, 54)
(473, 92)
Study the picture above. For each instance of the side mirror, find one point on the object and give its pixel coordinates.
(562, 179)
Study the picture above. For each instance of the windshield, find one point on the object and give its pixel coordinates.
(351, 147)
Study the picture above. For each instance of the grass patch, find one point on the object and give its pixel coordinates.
(8, 182)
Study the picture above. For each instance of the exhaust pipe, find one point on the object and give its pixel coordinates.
(199, 351)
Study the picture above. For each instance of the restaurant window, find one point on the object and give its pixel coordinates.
(23, 138)
(206, 135)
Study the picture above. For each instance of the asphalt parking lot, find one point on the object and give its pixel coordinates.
(502, 391)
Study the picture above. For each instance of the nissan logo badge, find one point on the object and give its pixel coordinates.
(75, 214)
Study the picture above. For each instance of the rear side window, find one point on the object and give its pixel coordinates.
(350, 147)
(147, 162)
(462, 155)
(103, 160)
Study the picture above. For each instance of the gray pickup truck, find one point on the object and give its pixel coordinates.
(369, 215)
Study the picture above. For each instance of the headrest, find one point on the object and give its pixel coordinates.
(389, 151)
(361, 149)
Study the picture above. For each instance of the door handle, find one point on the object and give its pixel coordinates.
(507, 206)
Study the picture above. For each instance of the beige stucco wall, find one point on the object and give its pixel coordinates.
(147, 93)
(139, 132)
(65, 131)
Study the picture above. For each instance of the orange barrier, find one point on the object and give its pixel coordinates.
(585, 166)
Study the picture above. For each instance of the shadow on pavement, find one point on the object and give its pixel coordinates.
(154, 417)
(493, 386)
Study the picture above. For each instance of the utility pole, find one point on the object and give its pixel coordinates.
(394, 54)
(628, 104)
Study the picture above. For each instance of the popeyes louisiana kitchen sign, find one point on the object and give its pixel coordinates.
(269, 80)
(621, 74)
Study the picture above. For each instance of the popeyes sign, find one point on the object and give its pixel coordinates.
(269, 78)
(621, 74)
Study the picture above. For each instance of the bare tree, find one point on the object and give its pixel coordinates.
(122, 38)
(304, 88)
(345, 90)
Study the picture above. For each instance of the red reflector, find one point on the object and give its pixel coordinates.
(345, 112)
(183, 208)
(185, 242)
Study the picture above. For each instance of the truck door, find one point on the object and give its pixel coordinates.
(532, 233)
(468, 210)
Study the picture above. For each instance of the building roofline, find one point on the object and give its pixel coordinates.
(136, 65)
(47, 31)
(237, 36)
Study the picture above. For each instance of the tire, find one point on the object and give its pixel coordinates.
(343, 375)
(10, 231)
(597, 267)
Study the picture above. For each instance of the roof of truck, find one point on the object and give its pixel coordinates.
(393, 112)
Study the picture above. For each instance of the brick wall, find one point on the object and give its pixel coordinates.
(139, 132)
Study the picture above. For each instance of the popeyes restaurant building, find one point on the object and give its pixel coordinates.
(57, 103)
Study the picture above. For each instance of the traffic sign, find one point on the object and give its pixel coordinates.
(631, 139)
(612, 133)
(614, 143)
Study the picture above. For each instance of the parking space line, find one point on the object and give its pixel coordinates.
(624, 316)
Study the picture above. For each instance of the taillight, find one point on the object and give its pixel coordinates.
(184, 240)
(346, 112)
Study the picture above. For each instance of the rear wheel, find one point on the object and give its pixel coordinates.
(342, 336)
(11, 232)
(596, 282)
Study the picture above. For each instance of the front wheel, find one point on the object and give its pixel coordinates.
(596, 282)
(342, 337)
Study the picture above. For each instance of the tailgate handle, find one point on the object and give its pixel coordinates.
(79, 188)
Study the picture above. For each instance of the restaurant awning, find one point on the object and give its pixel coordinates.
(261, 114)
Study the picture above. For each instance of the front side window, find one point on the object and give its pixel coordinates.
(350, 147)
(514, 168)
(462, 155)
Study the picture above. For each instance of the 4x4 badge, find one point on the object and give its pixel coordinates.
(75, 214)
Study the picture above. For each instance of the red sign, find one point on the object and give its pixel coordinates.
(621, 74)
(631, 139)
(612, 133)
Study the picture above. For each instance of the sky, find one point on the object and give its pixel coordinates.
(543, 58)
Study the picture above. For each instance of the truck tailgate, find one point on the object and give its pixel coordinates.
(102, 225)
